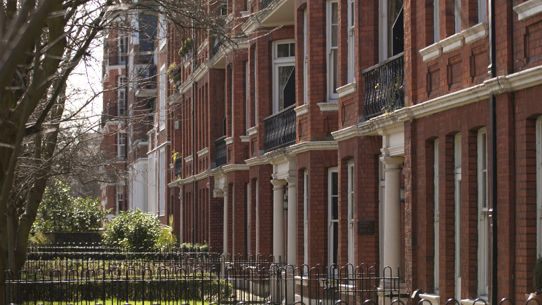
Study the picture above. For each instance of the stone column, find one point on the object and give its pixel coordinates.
(292, 221)
(225, 242)
(392, 212)
(278, 219)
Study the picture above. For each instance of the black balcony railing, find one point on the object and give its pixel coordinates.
(265, 3)
(220, 151)
(384, 87)
(280, 129)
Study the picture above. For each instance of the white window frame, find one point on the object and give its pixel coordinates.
(305, 59)
(121, 145)
(121, 102)
(457, 16)
(436, 21)
(122, 47)
(436, 217)
(539, 187)
(162, 99)
(483, 213)
(249, 215)
(351, 64)
(162, 183)
(351, 210)
(331, 221)
(457, 214)
(482, 11)
(306, 217)
(119, 198)
(277, 63)
(331, 50)
(255, 88)
(162, 31)
(247, 96)
(256, 212)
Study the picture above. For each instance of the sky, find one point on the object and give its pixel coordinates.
(84, 84)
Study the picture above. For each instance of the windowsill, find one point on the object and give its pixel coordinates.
(245, 139)
(203, 152)
(528, 9)
(454, 42)
(252, 131)
(329, 106)
(188, 159)
(433, 298)
(301, 110)
(346, 89)
(228, 140)
(245, 14)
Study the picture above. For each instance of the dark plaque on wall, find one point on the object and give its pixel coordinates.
(366, 227)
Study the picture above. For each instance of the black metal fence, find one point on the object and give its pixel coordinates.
(384, 87)
(280, 129)
(201, 279)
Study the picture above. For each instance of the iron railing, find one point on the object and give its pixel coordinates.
(201, 280)
(220, 151)
(384, 87)
(265, 3)
(280, 129)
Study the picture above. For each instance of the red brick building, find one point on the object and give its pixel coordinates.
(341, 131)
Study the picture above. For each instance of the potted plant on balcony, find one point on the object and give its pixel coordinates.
(186, 47)
(537, 283)
(174, 73)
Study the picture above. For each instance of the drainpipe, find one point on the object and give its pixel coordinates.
(493, 158)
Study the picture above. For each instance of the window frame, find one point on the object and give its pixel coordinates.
(306, 217)
(483, 213)
(351, 25)
(331, 221)
(279, 62)
(436, 217)
(351, 237)
(331, 63)
(305, 60)
(539, 187)
(162, 99)
(457, 213)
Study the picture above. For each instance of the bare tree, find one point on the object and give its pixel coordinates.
(42, 42)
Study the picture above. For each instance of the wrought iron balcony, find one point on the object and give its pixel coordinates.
(220, 151)
(280, 129)
(384, 87)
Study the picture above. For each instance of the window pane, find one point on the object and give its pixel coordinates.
(283, 50)
(286, 86)
(334, 14)
(335, 68)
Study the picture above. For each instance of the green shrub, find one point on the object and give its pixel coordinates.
(63, 213)
(136, 231)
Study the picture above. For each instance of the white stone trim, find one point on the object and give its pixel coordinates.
(452, 43)
(528, 9)
(228, 140)
(245, 139)
(252, 131)
(158, 147)
(431, 52)
(513, 82)
(188, 159)
(346, 89)
(329, 106)
(197, 177)
(234, 168)
(203, 152)
(301, 110)
(476, 32)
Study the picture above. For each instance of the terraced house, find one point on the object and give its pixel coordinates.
(341, 131)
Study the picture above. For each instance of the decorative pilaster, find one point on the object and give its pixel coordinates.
(292, 221)
(278, 219)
